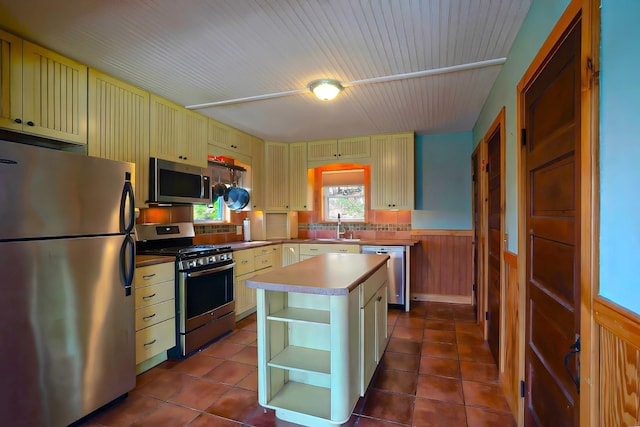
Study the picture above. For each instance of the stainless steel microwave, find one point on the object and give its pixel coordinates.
(171, 182)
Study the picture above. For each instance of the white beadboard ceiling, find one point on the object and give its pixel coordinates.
(203, 51)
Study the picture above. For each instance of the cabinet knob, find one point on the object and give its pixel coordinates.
(30, 123)
(17, 121)
(379, 298)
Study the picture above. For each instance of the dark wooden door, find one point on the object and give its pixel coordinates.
(495, 233)
(475, 175)
(552, 180)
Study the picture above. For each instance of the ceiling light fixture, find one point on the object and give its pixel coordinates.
(325, 89)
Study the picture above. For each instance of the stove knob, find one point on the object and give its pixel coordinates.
(212, 259)
(201, 261)
(191, 263)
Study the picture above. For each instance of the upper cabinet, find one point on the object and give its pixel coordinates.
(392, 171)
(300, 195)
(344, 150)
(119, 127)
(230, 142)
(257, 174)
(170, 130)
(42, 93)
(276, 170)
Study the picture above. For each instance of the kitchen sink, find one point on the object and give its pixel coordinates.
(336, 240)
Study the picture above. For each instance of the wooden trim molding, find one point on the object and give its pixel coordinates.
(452, 299)
(439, 232)
(510, 258)
(622, 322)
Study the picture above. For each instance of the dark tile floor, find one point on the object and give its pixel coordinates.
(436, 371)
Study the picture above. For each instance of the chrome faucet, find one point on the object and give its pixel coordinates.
(338, 232)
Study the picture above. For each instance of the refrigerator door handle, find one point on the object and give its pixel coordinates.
(127, 193)
(127, 263)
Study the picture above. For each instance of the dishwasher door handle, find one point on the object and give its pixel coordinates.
(381, 252)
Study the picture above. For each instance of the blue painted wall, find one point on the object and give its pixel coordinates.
(620, 153)
(443, 181)
(542, 16)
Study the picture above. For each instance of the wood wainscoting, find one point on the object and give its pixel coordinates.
(511, 368)
(442, 266)
(619, 364)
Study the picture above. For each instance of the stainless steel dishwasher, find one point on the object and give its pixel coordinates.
(395, 264)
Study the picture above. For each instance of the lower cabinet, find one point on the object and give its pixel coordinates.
(311, 360)
(290, 253)
(155, 313)
(250, 262)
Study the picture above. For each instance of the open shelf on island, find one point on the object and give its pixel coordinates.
(293, 314)
(304, 398)
(303, 359)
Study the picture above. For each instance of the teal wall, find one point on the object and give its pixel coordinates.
(620, 153)
(443, 181)
(542, 16)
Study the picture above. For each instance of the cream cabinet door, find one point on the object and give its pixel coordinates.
(358, 147)
(276, 165)
(167, 125)
(392, 171)
(119, 117)
(245, 297)
(228, 141)
(326, 149)
(257, 174)
(194, 147)
(54, 92)
(290, 253)
(10, 81)
(300, 187)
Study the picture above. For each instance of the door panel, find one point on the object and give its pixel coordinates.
(552, 182)
(495, 237)
(475, 171)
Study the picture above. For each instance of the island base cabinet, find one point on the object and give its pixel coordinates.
(308, 362)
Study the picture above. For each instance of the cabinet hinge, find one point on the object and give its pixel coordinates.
(486, 168)
(522, 387)
(474, 287)
(486, 315)
(523, 137)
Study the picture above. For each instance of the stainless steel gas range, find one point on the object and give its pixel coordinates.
(205, 305)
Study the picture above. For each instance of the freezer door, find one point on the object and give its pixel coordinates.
(66, 327)
(46, 192)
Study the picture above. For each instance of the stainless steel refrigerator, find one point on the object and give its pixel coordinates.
(66, 267)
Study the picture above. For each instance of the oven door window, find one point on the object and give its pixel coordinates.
(206, 292)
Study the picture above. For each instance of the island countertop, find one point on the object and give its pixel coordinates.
(326, 274)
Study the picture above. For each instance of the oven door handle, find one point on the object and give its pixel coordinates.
(212, 270)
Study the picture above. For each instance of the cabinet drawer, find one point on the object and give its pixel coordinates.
(263, 261)
(264, 250)
(156, 313)
(155, 339)
(369, 288)
(152, 274)
(244, 261)
(154, 294)
(344, 249)
(321, 248)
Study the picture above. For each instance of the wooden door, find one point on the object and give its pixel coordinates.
(475, 175)
(552, 206)
(10, 81)
(495, 238)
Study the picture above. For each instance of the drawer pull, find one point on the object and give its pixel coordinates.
(148, 297)
(379, 299)
(264, 261)
(313, 249)
(245, 262)
(149, 317)
(343, 250)
(148, 276)
(147, 344)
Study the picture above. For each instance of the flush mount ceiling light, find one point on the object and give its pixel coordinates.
(325, 89)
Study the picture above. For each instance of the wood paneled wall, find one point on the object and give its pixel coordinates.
(619, 364)
(442, 264)
(512, 360)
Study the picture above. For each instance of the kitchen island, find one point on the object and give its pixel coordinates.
(322, 330)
